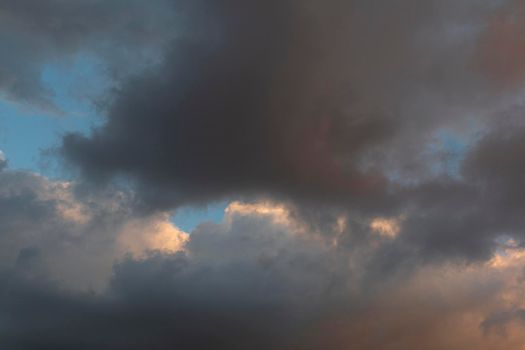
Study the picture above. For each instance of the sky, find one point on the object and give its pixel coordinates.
(274, 175)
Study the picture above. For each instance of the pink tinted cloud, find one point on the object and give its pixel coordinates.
(502, 46)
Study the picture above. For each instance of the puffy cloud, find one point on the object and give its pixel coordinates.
(263, 278)
(76, 237)
(255, 282)
(157, 233)
(348, 225)
(388, 228)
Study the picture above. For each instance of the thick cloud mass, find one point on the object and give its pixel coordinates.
(262, 280)
(344, 104)
(288, 97)
(270, 276)
(371, 151)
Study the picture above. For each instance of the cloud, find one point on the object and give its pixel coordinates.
(327, 110)
(3, 161)
(323, 109)
(502, 46)
(327, 126)
(256, 282)
(75, 236)
(322, 104)
(263, 278)
(121, 34)
(388, 228)
(501, 320)
(157, 233)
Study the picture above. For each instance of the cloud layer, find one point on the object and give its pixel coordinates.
(262, 280)
(372, 154)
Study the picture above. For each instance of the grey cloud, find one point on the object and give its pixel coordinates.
(211, 295)
(325, 109)
(74, 235)
(330, 111)
(498, 321)
(330, 108)
(321, 106)
(262, 281)
(302, 98)
(34, 33)
(250, 282)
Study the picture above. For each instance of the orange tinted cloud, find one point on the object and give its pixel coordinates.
(153, 234)
(386, 227)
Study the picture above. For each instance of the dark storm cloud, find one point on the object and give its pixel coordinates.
(35, 33)
(287, 97)
(324, 107)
